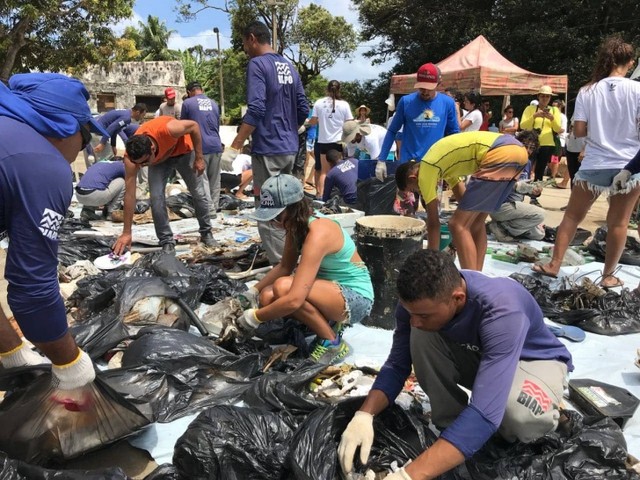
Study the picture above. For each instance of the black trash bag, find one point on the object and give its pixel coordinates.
(231, 202)
(285, 331)
(301, 157)
(538, 287)
(611, 314)
(159, 345)
(580, 237)
(285, 390)
(181, 204)
(94, 293)
(399, 436)
(160, 264)
(166, 471)
(598, 244)
(233, 443)
(101, 332)
(38, 429)
(71, 250)
(218, 285)
(331, 206)
(17, 470)
(376, 197)
(142, 206)
(579, 449)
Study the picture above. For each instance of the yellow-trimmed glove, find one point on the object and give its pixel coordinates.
(75, 374)
(249, 320)
(21, 356)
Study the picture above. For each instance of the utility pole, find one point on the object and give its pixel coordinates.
(216, 30)
(274, 23)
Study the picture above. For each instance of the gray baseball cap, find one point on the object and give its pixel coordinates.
(276, 194)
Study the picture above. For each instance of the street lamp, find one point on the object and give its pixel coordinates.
(273, 4)
(216, 30)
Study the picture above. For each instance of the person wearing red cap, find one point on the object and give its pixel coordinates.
(425, 116)
(169, 107)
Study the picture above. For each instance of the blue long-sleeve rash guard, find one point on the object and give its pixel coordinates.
(35, 192)
(504, 321)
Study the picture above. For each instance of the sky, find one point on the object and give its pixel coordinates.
(200, 31)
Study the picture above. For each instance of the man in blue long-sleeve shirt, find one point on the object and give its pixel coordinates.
(113, 122)
(44, 123)
(464, 328)
(276, 108)
(425, 117)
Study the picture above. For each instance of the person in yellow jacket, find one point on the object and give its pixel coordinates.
(546, 120)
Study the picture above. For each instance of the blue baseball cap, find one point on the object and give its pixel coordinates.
(52, 103)
(276, 194)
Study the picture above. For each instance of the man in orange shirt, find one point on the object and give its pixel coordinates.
(163, 145)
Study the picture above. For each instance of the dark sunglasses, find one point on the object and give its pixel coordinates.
(141, 162)
(86, 136)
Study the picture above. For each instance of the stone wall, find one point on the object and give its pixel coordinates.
(128, 80)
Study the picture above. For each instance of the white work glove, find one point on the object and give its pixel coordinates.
(359, 433)
(248, 321)
(620, 180)
(381, 170)
(75, 374)
(301, 130)
(227, 158)
(249, 298)
(21, 356)
(399, 475)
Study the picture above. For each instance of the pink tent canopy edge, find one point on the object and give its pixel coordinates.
(479, 66)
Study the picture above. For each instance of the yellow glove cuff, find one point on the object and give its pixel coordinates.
(10, 352)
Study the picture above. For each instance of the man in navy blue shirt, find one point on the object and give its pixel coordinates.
(463, 328)
(113, 122)
(44, 123)
(204, 111)
(276, 108)
(101, 185)
(343, 175)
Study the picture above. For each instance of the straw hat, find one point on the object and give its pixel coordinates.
(545, 90)
(367, 109)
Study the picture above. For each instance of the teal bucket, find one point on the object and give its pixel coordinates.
(445, 236)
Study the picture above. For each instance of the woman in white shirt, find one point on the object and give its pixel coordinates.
(607, 112)
(472, 120)
(329, 113)
(509, 123)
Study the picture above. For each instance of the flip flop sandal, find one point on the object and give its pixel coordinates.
(619, 283)
(540, 269)
(575, 334)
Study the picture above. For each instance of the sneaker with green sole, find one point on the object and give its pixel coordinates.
(327, 353)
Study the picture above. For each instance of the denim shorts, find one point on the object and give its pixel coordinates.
(600, 180)
(356, 306)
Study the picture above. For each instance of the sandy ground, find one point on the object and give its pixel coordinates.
(137, 463)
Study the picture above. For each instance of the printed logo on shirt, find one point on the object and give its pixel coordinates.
(204, 104)
(426, 118)
(346, 166)
(122, 123)
(266, 200)
(612, 86)
(284, 73)
(50, 223)
(534, 398)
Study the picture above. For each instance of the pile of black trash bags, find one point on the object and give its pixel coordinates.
(280, 431)
(609, 314)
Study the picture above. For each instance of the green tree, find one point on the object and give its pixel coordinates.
(318, 40)
(58, 34)
(152, 39)
(545, 37)
(310, 37)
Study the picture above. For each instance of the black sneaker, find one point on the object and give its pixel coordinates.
(534, 201)
(169, 248)
(208, 240)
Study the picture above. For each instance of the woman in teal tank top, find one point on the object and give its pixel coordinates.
(331, 287)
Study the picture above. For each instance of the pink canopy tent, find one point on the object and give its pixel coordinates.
(479, 66)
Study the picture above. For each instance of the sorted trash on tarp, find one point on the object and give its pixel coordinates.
(598, 245)
(16, 470)
(579, 238)
(41, 424)
(586, 305)
(578, 449)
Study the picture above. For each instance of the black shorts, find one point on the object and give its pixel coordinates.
(322, 149)
(229, 180)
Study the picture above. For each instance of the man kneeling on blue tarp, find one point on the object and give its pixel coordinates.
(464, 328)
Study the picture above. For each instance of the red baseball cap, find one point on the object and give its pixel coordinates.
(428, 77)
(169, 92)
